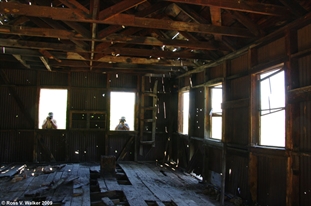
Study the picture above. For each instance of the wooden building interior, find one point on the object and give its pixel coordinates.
(250, 145)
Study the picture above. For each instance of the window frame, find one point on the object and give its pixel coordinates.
(114, 124)
(181, 111)
(57, 118)
(255, 105)
(210, 114)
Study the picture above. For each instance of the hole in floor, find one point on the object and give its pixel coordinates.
(151, 203)
(170, 203)
(163, 172)
(98, 198)
(121, 176)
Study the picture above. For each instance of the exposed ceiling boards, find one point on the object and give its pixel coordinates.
(139, 36)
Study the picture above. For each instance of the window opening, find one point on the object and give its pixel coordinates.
(122, 104)
(55, 101)
(183, 116)
(272, 108)
(216, 112)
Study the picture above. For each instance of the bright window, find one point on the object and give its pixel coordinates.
(216, 112)
(53, 100)
(122, 104)
(272, 108)
(183, 116)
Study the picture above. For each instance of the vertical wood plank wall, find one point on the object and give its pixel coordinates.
(87, 92)
(268, 176)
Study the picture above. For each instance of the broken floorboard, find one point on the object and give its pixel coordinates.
(133, 184)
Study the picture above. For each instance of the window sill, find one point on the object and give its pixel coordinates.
(268, 151)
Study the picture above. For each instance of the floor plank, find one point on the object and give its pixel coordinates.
(70, 185)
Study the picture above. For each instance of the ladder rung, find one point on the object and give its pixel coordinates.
(150, 108)
(148, 120)
(150, 94)
(147, 142)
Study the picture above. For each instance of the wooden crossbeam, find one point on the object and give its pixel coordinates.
(131, 20)
(167, 42)
(243, 6)
(118, 8)
(65, 14)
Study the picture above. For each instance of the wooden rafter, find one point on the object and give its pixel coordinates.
(244, 6)
(59, 56)
(94, 10)
(160, 42)
(65, 14)
(130, 20)
(19, 58)
(118, 8)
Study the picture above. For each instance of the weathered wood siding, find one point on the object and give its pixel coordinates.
(88, 93)
(268, 176)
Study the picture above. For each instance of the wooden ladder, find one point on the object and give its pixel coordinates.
(148, 107)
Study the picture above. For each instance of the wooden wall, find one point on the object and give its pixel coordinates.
(81, 141)
(263, 175)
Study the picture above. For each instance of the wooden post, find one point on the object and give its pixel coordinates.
(107, 165)
(291, 82)
(254, 125)
(225, 91)
(223, 177)
(252, 176)
(106, 152)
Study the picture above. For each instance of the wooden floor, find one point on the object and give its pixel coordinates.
(81, 184)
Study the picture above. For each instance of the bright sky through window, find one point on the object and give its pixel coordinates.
(185, 113)
(53, 100)
(272, 96)
(122, 104)
(216, 132)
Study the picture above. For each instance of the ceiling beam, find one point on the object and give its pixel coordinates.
(294, 7)
(118, 8)
(39, 45)
(19, 58)
(153, 53)
(45, 62)
(131, 20)
(111, 39)
(243, 19)
(161, 41)
(80, 64)
(65, 14)
(76, 7)
(147, 11)
(147, 53)
(239, 5)
(95, 10)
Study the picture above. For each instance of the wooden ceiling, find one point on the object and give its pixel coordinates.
(170, 37)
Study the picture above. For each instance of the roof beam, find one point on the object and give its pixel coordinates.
(152, 53)
(39, 45)
(10, 44)
(65, 14)
(131, 20)
(76, 7)
(19, 58)
(294, 7)
(118, 8)
(238, 5)
(147, 11)
(84, 64)
(95, 9)
(254, 28)
(53, 33)
(160, 42)
(45, 62)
